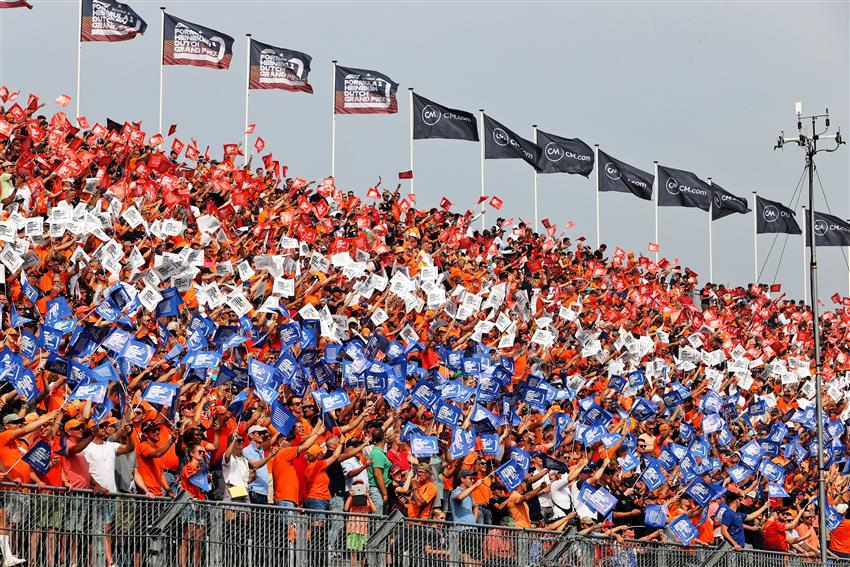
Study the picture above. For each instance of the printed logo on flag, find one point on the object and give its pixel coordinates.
(430, 115)
(612, 171)
(432, 120)
(361, 91)
(278, 68)
(821, 227)
(108, 20)
(191, 44)
(501, 137)
(672, 186)
(770, 213)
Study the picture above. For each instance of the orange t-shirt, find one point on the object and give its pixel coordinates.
(839, 539)
(11, 451)
(150, 468)
(189, 470)
(428, 493)
(285, 479)
(317, 480)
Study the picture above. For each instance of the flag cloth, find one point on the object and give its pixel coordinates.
(773, 217)
(501, 143)
(563, 155)
(278, 68)
(361, 91)
(185, 43)
(680, 188)
(725, 203)
(16, 4)
(108, 20)
(432, 120)
(615, 175)
(829, 230)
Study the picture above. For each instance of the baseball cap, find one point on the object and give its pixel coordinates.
(150, 425)
(256, 429)
(72, 424)
(12, 418)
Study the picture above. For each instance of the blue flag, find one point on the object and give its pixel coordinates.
(38, 457)
(510, 474)
(282, 419)
(424, 445)
(161, 394)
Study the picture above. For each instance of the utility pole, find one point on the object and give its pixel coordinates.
(809, 142)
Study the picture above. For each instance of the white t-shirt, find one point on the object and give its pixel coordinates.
(581, 508)
(545, 499)
(560, 495)
(101, 460)
(236, 471)
(349, 465)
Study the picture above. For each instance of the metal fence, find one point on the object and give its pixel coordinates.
(56, 529)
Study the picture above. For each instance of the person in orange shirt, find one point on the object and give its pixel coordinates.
(150, 477)
(194, 534)
(286, 482)
(423, 494)
(316, 476)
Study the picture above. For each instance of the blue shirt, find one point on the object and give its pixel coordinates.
(462, 509)
(734, 522)
(261, 483)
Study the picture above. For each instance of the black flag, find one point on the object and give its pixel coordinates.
(773, 217)
(185, 43)
(108, 20)
(725, 203)
(432, 120)
(361, 91)
(278, 68)
(679, 188)
(501, 143)
(829, 230)
(615, 175)
(563, 155)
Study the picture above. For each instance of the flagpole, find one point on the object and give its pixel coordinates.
(755, 241)
(410, 123)
(596, 161)
(655, 181)
(161, 66)
(805, 268)
(710, 245)
(534, 126)
(79, 54)
(333, 122)
(247, 94)
(481, 138)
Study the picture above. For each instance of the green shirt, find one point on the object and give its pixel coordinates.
(379, 461)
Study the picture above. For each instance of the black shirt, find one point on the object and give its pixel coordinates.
(336, 478)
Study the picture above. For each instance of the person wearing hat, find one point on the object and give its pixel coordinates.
(255, 452)
(732, 522)
(151, 478)
(423, 493)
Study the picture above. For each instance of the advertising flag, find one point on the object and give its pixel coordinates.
(615, 175)
(773, 217)
(361, 91)
(279, 68)
(432, 120)
(725, 203)
(108, 20)
(679, 188)
(186, 43)
(501, 143)
(563, 155)
(15, 4)
(829, 230)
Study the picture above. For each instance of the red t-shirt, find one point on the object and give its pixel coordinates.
(773, 536)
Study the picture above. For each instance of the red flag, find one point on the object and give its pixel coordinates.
(653, 247)
(250, 129)
(405, 174)
(259, 144)
(231, 150)
(192, 153)
(16, 4)
(496, 203)
(155, 140)
(404, 205)
(445, 204)
(412, 198)
(550, 230)
(481, 199)
(17, 112)
(570, 224)
(776, 288)
(836, 298)
(63, 100)
(373, 193)
(177, 146)
(172, 129)
(32, 102)
(6, 129)
(83, 123)
(545, 222)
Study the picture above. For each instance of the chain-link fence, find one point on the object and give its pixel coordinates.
(58, 528)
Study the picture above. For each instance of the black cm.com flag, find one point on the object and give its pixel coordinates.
(563, 155)
(829, 230)
(278, 68)
(773, 218)
(185, 43)
(361, 91)
(502, 143)
(108, 20)
(725, 203)
(432, 120)
(680, 188)
(615, 175)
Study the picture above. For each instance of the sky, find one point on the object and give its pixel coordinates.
(700, 86)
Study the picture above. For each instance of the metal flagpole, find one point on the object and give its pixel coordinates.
(805, 274)
(410, 107)
(481, 137)
(655, 181)
(79, 54)
(755, 241)
(596, 161)
(710, 237)
(333, 122)
(161, 66)
(247, 93)
(534, 126)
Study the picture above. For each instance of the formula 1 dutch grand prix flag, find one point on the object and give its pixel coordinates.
(680, 188)
(432, 120)
(108, 20)
(361, 91)
(185, 43)
(279, 68)
(15, 4)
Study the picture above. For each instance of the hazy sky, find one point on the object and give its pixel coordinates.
(704, 87)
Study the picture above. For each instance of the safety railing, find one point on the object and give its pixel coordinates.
(58, 528)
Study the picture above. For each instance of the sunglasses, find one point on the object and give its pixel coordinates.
(78, 428)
